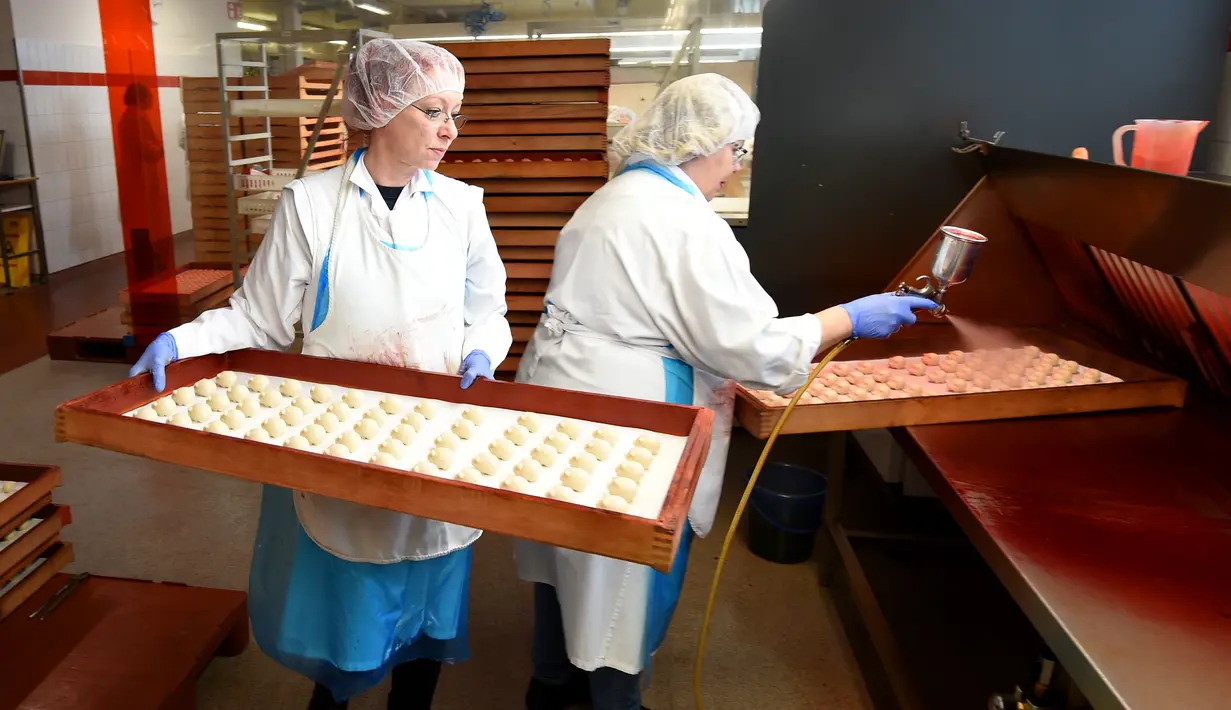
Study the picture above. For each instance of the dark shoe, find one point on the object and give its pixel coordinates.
(414, 685)
(322, 699)
(542, 696)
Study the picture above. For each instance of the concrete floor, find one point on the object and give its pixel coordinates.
(775, 642)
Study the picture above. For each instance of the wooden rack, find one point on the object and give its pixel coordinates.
(207, 167)
(536, 144)
(292, 135)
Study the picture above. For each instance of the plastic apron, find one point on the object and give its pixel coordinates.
(344, 619)
(616, 613)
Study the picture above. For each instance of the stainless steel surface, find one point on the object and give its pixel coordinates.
(58, 597)
(1175, 224)
(972, 143)
(951, 265)
(955, 257)
(1104, 528)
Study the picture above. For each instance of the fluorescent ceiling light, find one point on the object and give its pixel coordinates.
(338, 41)
(662, 62)
(670, 48)
(618, 33)
(243, 25)
(732, 30)
(465, 38)
(667, 62)
(372, 8)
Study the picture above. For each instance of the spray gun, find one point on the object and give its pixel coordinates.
(951, 265)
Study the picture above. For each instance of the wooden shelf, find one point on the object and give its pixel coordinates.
(143, 642)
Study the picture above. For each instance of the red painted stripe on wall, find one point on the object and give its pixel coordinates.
(74, 78)
(140, 166)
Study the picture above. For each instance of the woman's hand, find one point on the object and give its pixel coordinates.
(477, 364)
(154, 360)
(883, 314)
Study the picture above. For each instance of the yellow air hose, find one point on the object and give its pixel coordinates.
(739, 512)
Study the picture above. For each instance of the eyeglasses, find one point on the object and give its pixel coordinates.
(435, 115)
(738, 151)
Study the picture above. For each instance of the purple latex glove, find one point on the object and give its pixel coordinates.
(881, 315)
(154, 360)
(477, 364)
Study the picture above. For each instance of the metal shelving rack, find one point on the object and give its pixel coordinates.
(30, 182)
(262, 106)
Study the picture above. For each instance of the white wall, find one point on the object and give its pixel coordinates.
(183, 46)
(15, 162)
(70, 129)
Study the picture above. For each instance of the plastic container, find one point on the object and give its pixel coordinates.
(785, 510)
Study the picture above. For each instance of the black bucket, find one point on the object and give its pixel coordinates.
(785, 510)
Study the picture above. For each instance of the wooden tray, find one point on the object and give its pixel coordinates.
(37, 538)
(39, 480)
(96, 419)
(55, 557)
(1140, 387)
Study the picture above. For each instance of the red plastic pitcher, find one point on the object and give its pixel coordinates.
(1161, 146)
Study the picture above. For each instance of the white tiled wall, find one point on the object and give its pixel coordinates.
(70, 22)
(14, 162)
(74, 156)
(184, 33)
(176, 158)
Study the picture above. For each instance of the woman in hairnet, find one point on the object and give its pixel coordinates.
(381, 260)
(652, 297)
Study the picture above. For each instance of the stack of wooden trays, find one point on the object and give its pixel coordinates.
(536, 144)
(309, 81)
(31, 551)
(207, 167)
(197, 287)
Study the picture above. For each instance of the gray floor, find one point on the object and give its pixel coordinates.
(775, 643)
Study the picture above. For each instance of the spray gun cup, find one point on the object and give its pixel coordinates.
(955, 256)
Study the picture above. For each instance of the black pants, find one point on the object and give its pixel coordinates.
(414, 685)
(610, 689)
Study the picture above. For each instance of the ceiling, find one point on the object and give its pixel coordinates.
(327, 14)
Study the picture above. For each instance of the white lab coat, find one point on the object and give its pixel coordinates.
(419, 286)
(645, 270)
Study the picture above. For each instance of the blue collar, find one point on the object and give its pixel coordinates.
(422, 182)
(665, 173)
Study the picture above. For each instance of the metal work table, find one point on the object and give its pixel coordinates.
(1113, 534)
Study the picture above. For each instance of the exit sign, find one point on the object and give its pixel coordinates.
(235, 10)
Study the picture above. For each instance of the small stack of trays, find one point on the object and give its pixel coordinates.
(207, 166)
(196, 288)
(31, 551)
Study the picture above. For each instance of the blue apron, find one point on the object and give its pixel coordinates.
(345, 624)
(665, 588)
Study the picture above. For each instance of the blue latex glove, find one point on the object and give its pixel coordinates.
(154, 360)
(477, 364)
(881, 315)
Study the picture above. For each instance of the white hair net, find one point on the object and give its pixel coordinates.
(693, 117)
(387, 75)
